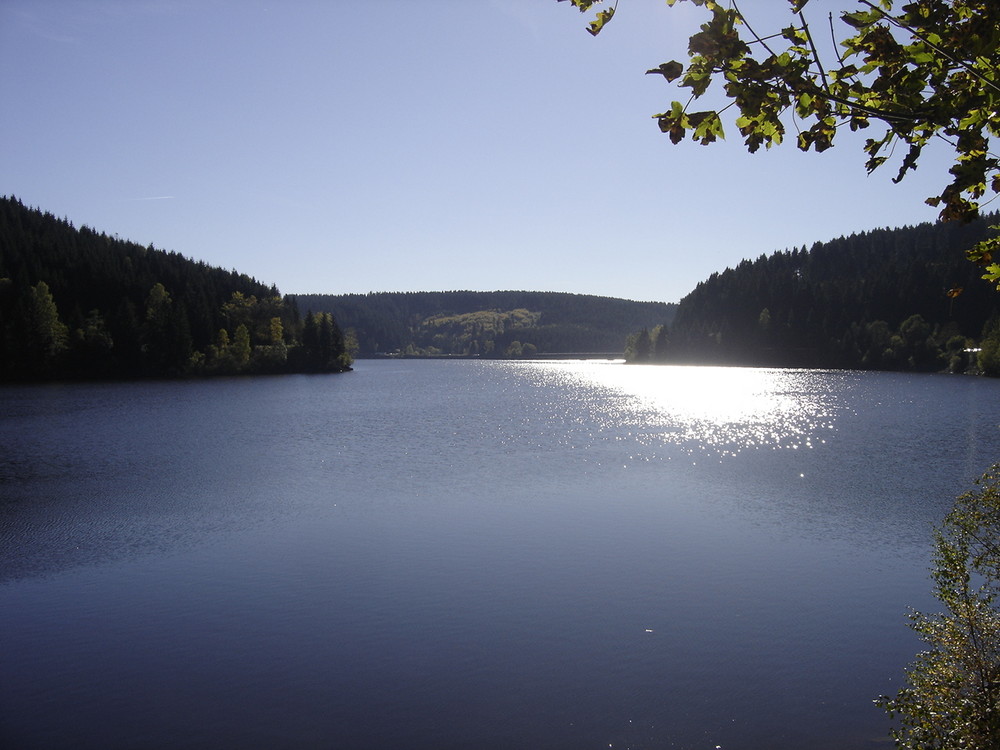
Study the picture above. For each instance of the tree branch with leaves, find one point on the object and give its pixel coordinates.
(923, 71)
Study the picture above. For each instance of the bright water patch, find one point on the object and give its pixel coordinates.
(701, 410)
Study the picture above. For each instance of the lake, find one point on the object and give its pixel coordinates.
(474, 554)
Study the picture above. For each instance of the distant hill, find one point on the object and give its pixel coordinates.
(885, 299)
(486, 324)
(76, 303)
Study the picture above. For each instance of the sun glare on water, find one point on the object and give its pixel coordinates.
(722, 410)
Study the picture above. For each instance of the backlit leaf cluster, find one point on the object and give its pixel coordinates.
(914, 72)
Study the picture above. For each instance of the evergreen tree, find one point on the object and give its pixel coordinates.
(638, 347)
(92, 346)
(241, 346)
(158, 330)
(46, 333)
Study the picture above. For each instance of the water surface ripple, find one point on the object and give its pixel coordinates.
(455, 554)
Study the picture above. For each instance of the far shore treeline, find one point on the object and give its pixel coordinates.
(79, 304)
(75, 303)
(888, 299)
(501, 324)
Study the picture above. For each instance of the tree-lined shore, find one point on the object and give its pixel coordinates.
(500, 324)
(79, 304)
(887, 299)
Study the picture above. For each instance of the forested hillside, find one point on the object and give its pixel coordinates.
(886, 299)
(75, 303)
(487, 324)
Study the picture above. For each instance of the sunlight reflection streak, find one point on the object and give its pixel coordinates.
(721, 410)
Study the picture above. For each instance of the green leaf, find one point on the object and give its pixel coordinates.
(795, 35)
(598, 23)
(859, 20)
(707, 126)
(992, 273)
(670, 70)
(583, 5)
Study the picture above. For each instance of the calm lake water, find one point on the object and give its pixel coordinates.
(438, 554)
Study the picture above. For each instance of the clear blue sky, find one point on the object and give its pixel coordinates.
(402, 145)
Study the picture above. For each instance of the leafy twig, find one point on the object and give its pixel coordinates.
(961, 63)
(815, 52)
(836, 45)
(758, 38)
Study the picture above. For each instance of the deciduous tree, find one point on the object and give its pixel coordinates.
(952, 699)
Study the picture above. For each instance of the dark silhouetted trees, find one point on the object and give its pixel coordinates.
(885, 299)
(78, 304)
